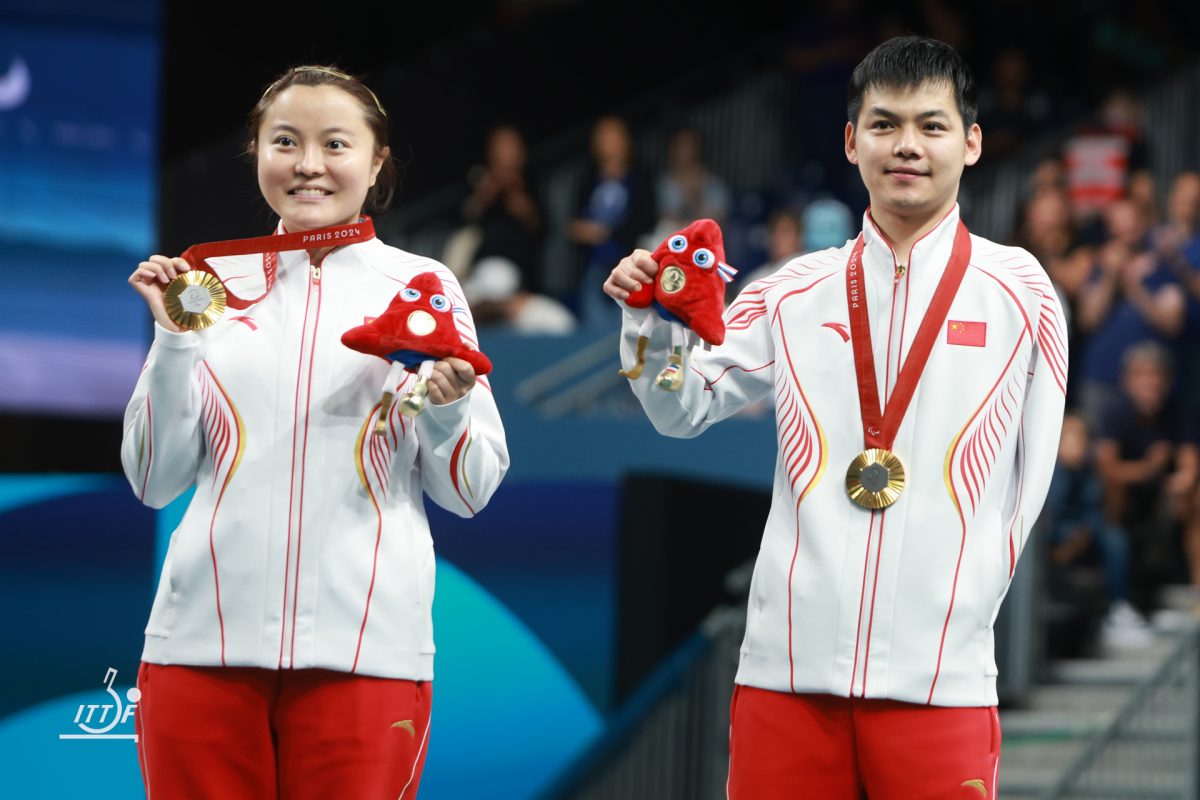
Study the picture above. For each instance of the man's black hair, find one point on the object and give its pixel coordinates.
(906, 62)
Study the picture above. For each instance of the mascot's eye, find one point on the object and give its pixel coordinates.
(703, 258)
(439, 302)
(411, 294)
(677, 244)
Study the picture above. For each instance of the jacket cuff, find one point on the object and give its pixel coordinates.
(171, 340)
(447, 420)
(634, 316)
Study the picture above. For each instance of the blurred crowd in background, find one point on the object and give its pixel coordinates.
(1127, 268)
(1123, 517)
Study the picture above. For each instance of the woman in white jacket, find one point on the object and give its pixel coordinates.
(289, 651)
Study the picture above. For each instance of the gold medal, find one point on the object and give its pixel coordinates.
(875, 479)
(195, 300)
(673, 279)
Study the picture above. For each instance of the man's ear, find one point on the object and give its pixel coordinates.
(974, 145)
(851, 145)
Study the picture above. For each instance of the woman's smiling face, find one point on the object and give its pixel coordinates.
(316, 157)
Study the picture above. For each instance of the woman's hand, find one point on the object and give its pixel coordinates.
(452, 378)
(150, 280)
(630, 274)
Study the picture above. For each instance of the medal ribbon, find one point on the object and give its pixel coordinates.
(269, 246)
(880, 429)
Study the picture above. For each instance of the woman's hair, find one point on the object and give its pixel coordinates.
(379, 196)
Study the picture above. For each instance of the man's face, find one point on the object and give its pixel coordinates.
(910, 147)
(1147, 384)
(1184, 203)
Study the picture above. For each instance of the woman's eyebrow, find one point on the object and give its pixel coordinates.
(287, 126)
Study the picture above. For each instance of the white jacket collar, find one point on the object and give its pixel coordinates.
(935, 245)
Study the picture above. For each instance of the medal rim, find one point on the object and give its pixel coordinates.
(889, 494)
(187, 319)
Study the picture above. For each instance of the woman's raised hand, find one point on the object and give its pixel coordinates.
(150, 280)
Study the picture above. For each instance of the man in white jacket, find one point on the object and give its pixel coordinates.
(918, 375)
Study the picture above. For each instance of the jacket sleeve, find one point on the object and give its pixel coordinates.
(719, 382)
(1042, 413)
(162, 444)
(463, 453)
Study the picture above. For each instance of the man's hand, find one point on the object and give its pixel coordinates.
(632, 272)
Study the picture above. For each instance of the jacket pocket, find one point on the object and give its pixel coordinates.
(992, 572)
(162, 613)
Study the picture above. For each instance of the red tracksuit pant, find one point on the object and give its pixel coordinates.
(789, 746)
(240, 733)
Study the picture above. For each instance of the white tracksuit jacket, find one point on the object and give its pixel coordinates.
(896, 603)
(306, 543)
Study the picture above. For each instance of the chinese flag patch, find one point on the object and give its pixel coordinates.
(968, 334)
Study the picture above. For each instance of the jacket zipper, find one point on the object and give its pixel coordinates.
(858, 689)
(314, 287)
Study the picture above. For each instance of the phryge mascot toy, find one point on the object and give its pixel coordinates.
(414, 332)
(689, 292)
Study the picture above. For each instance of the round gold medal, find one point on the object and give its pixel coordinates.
(673, 279)
(875, 479)
(195, 300)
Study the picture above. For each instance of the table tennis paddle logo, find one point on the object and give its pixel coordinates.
(966, 334)
(100, 720)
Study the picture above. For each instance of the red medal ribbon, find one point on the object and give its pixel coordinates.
(269, 246)
(880, 429)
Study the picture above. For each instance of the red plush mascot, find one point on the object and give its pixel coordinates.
(689, 291)
(416, 330)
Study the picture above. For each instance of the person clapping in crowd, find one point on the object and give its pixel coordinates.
(616, 207)
(1129, 298)
(503, 206)
(688, 190)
